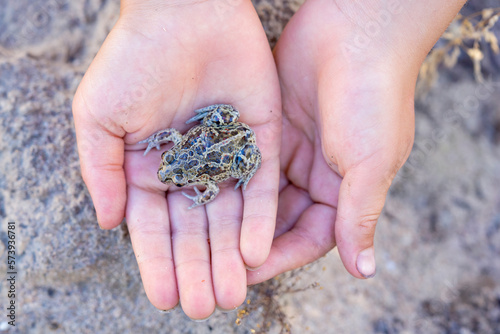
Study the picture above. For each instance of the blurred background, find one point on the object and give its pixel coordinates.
(437, 242)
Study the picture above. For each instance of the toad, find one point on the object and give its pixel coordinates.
(209, 153)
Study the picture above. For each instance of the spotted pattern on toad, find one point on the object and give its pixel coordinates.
(209, 153)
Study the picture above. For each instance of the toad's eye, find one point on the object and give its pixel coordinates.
(168, 157)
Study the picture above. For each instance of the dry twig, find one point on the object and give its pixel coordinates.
(463, 35)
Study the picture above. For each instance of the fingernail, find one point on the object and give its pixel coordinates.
(224, 310)
(204, 319)
(252, 268)
(365, 263)
(169, 310)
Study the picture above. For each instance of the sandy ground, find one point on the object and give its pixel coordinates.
(438, 240)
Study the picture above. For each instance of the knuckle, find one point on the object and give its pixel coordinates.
(368, 223)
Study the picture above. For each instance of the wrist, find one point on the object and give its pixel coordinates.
(210, 8)
(153, 5)
(221, 17)
(398, 29)
(377, 35)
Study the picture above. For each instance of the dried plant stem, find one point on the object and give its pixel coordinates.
(463, 35)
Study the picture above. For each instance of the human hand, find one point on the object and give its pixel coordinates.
(348, 123)
(160, 63)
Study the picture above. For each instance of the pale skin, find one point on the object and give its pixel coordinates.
(347, 129)
(152, 78)
(348, 123)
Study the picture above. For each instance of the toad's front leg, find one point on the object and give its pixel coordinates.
(161, 137)
(246, 163)
(205, 197)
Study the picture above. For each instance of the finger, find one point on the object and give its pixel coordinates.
(191, 256)
(148, 224)
(311, 238)
(101, 158)
(293, 201)
(361, 199)
(373, 136)
(228, 269)
(259, 214)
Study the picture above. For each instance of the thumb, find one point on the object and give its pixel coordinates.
(361, 199)
(368, 137)
(101, 159)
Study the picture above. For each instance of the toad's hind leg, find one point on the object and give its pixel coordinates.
(161, 137)
(246, 163)
(215, 115)
(205, 197)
